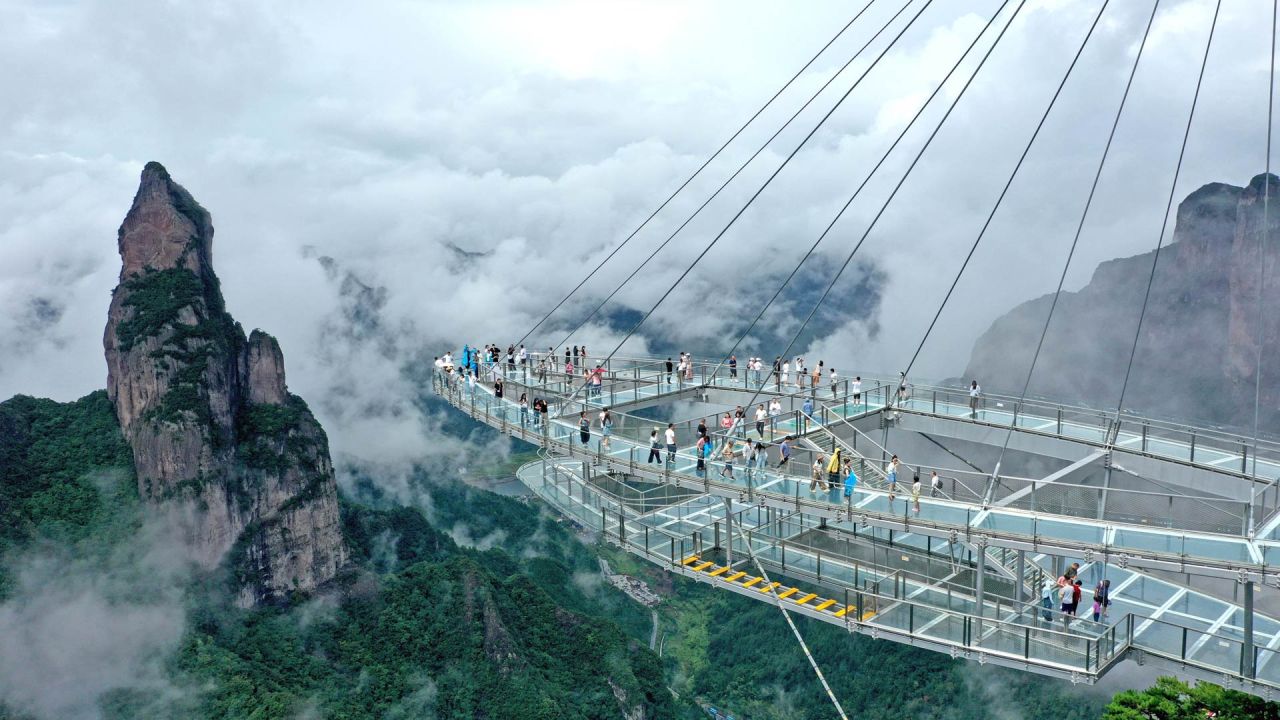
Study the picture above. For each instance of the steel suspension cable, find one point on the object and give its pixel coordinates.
(734, 176)
(773, 593)
(901, 181)
(1262, 258)
(762, 187)
(1084, 214)
(1013, 175)
(697, 172)
(831, 225)
(1173, 187)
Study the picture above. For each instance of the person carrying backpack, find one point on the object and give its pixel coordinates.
(834, 466)
(1101, 600)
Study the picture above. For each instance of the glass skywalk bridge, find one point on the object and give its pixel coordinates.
(1200, 514)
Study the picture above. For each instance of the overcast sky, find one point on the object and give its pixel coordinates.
(390, 179)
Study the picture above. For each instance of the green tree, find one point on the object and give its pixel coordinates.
(1172, 699)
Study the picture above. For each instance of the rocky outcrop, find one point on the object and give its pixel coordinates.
(1197, 353)
(216, 437)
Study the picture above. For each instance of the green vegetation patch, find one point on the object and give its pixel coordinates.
(156, 298)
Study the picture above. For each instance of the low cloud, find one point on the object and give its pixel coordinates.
(77, 628)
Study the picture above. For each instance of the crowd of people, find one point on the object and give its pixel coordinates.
(833, 474)
(1068, 591)
(731, 444)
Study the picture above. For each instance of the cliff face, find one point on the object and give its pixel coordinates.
(215, 435)
(1196, 356)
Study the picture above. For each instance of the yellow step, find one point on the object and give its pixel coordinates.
(720, 571)
(868, 614)
(751, 582)
(825, 604)
(789, 593)
(734, 576)
(702, 566)
(769, 587)
(806, 598)
(845, 610)
(691, 559)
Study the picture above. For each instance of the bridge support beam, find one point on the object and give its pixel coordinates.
(1247, 668)
(979, 595)
(1021, 590)
(728, 523)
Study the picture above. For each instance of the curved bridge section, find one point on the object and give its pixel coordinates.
(1182, 521)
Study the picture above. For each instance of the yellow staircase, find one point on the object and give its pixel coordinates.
(726, 574)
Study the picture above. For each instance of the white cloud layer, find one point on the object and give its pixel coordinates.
(343, 147)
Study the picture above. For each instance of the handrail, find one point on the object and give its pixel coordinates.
(1106, 544)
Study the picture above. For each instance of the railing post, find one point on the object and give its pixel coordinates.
(1193, 447)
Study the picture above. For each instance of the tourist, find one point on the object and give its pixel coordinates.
(1046, 600)
(935, 485)
(834, 383)
(762, 456)
(761, 414)
(568, 370)
(777, 373)
(817, 376)
(670, 367)
(834, 466)
(700, 450)
(857, 389)
(655, 447)
(733, 367)
(537, 412)
(807, 410)
(727, 454)
(974, 392)
(688, 367)
(524, 409)
(671, 442)
(702, 428)
(786, 373)
(575, 354)
(850, 479)
(785, 451)
(739, 422)
(815, 472)
(915, 493)
(1072, 571)
(1101, 600)
(497, 389)
(1076, 591)
(891, 473)
(584, 428)
(606, 428)
(523, 356)
(726, 424)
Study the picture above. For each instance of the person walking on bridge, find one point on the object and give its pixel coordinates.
(671, 443)
(761, 415)
(670, 368)
(785, 451)
(815, 473)
(584, 428)
(655, 448)
(777, 373)
(974, 393)
(850, 479)
(606, 428)
(834, 383)
(733, 367)
(1101, 600)
(728, 453)
(834, 466)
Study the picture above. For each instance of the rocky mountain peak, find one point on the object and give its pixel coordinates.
(265, 370)
(213, 429)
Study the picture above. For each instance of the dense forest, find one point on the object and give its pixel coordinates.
(513, 622)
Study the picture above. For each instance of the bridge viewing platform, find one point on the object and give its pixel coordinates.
(1182, 521)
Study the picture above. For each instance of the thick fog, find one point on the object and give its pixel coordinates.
(391, 180)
